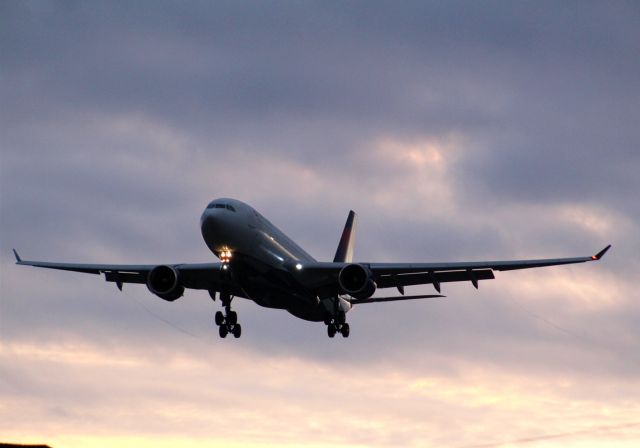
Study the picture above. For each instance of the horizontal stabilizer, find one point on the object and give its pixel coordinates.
(393, 299)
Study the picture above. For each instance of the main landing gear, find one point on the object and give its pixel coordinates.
(227, 321)
(337, 324)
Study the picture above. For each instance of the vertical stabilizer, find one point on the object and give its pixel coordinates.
(344, 254)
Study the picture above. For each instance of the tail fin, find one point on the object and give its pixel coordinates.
(344, 254)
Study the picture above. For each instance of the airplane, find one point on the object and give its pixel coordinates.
(260, 263)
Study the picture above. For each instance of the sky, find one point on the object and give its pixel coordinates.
(458, 131)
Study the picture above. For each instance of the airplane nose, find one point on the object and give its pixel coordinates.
(212, 226)
(209, 220)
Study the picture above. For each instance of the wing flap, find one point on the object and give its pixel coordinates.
(125, 277)
(393, 299)
(389, 281)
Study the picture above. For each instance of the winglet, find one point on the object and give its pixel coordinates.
(18, 259)
(600, 254)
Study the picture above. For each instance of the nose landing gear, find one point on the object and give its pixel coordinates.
(228, 322)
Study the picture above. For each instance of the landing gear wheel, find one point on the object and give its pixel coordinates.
(331, 330)
(227, 320)
(345, 330)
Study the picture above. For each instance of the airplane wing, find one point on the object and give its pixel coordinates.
(399, 275)
(192, 275)
(322, 277)
(393, 299)
(405, 274)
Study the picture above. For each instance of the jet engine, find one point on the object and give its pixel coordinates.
(163, 282)
(357, 281)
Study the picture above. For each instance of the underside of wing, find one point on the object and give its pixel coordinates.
(433, 277)
(405, 268)
(393, 299)
(399, 275)
(190, 275)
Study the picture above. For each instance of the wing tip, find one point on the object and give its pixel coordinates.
(600, 254)
(18, 259)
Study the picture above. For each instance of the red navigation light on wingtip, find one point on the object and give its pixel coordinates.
(600, 254)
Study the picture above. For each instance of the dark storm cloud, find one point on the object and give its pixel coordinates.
(120, 120)
(547, 91)
(395, 65)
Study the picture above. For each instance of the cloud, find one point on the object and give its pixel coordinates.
(379, 405)
(587, 432)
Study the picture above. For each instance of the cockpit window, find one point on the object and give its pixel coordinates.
(219, 205)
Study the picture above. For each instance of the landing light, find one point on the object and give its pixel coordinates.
(298, 266)
(225, 267)
(225, 256)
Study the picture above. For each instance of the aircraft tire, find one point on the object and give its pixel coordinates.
(237, 331)
(232, 317)
(219, 318)
(331, 330)
(223, 331)
(345, 330)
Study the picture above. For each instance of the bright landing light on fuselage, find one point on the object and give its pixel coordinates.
(225, 256)
(298, 266)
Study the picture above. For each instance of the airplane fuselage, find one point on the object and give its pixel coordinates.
(262, 259)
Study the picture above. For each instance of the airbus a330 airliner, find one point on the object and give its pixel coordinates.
(260, 263)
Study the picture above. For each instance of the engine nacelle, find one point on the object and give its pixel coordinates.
(163, 281)
(357, 281)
